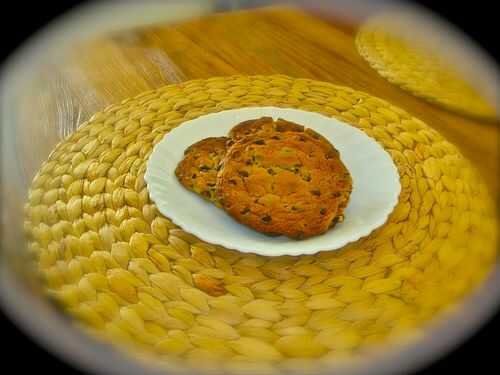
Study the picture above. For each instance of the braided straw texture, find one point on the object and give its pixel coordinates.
(420, 71)
(130, 275)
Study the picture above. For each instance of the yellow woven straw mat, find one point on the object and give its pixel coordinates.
(130, 275)
(419, 69)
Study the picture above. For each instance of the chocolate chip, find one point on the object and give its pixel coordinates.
(243, 173)
(316, 192)
(260, 142)
(193, 176)
(306, 178)
(331, 154)
(266, 219)
(245, 211)
(271, 172)
(322, 211)
(233, 182)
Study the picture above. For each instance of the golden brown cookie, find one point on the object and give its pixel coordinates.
(267, 124)
(263, 124)
(198, 170)
(284, 183)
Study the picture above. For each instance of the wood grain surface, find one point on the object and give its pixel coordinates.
(260, 41)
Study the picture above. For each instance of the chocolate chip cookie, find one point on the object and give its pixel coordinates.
(198, 170)
(284, 183)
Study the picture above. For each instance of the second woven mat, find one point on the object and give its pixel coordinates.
(131, 276)
(417, 69)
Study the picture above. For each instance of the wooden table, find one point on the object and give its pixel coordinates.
(261, 41)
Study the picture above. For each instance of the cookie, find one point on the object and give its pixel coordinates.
(263, 124)
(284, 183)
(197, 171)
(267, 124)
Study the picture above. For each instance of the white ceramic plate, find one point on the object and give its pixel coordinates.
(375, 178)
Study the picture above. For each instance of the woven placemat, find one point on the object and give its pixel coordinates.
(130, 275)
(418, 69)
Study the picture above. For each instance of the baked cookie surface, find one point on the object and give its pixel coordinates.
(197, 171)
(284, 183)
(263, 124)
(267, 124)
